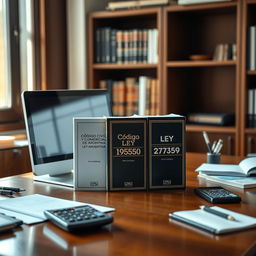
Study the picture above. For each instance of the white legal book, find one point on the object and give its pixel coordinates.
(234, 181)
(90, 153)
(142, 94)
(30, 209)
(213, 223)
(246, 167)
(200, 1)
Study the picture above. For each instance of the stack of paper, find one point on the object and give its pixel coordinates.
(241, 175)
(30, 209)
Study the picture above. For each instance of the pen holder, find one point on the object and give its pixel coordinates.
(213, 158)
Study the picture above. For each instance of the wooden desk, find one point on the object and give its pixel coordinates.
(141, 225)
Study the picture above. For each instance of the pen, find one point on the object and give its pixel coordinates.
(6, 192)
(12, 189)
(218, 151)
(207, 141)
(218, 146)
(213, 145)
(217, 213)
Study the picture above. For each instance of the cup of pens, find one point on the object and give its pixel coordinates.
(213, 154)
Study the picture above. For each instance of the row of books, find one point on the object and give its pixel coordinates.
(133, 96)
(126, 46)
(129, 153)
(251, 54)
(252, 108)
(225, 52)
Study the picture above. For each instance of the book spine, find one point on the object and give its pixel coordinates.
(103, 45)
(126, 140)
(109, 86)
(119, 46)
(145, 46)
(250, 108)
(166, 153)
(129, 83)
(155, 46)
(113, 43)
(142, 94)
(254, 108)
(98, 45)
(115, 98)
(149, 53)
(148, 96)
(252, 48)
(107, 44)
(90, 154)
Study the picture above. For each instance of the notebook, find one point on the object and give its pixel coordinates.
(213, 223)
(30, 209)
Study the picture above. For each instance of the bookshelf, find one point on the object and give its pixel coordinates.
(248, 79)
(197, 29)
(124, 21)
(188, 86)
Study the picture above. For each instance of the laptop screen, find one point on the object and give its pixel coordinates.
(50, 120)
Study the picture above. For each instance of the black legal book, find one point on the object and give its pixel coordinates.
(127, 153)
(166, 152)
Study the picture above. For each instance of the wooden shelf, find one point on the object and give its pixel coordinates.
(124, 66)
(207, 128)
(124, 13)
(250, 131)
(251, 72)
(200, 7)
(208, 63)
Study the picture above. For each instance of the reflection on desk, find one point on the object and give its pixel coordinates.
(141, 224)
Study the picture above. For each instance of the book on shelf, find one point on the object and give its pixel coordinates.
(246, 167)
(182, 2)
(126, 46)
(234, 181)
(219, 119)
(121, 5)
(133, 95)
(251, 48)
(251, 112)
(224, 52)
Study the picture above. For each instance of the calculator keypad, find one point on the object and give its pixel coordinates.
(217, 195)
(75, 218)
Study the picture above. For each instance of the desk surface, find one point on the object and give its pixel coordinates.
(141, 225)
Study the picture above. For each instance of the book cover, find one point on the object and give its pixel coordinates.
(127, 153)
(90, 153)
(166, 152)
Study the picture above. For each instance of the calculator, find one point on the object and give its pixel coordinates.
(217, 195)
(78, 218)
